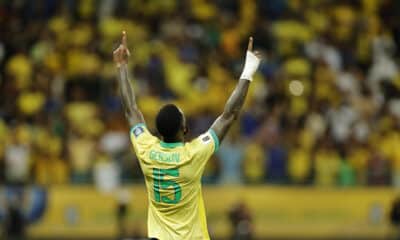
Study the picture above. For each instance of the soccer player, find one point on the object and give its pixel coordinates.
(173, 168)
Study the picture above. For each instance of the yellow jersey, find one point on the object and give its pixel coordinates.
(172, 174)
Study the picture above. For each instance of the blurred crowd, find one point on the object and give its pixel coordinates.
(323, 110)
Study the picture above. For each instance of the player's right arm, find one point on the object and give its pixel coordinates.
(132, 112)
(236, 100)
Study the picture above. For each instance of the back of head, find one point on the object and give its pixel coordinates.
(169, 122)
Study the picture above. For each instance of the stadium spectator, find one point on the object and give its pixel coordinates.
(327, 162)
(253, 163)
(394, 217)
(299, 166)
(346, 173)
(17, 157)
(49, 165)
(231, 156)
(378, 169)
(358, 158)
(14, 224)
(241, 220)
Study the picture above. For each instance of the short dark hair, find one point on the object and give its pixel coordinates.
(169, 121)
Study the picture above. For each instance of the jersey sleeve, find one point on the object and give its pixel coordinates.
(203, 147)
(142, 140)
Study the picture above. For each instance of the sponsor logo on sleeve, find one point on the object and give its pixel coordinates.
(206, 139)
(137, 131)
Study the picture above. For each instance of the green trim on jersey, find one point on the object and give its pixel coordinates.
(171, 145)
(216, 140)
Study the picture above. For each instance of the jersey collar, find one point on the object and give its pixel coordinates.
(171, 145)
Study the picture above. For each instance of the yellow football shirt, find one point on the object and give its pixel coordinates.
(172, 174)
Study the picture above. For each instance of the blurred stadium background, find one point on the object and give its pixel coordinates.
(315, 154)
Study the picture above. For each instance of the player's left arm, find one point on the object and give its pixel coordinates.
(236, 100)
(132, 112)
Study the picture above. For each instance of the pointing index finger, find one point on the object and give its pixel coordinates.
(124, 39)
(250, 46)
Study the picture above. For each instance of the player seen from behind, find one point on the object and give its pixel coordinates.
(173, 168)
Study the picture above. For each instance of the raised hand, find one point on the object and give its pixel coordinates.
(121, 54)
(236, 100)
(250, 48)
(252, 61)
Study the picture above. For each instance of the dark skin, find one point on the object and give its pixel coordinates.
(133, 114)
(234, 103)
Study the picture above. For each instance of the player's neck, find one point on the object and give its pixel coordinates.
(174, 139)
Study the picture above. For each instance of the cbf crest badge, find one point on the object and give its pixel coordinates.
(137, 131)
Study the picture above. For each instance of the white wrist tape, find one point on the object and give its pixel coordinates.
(250, 66)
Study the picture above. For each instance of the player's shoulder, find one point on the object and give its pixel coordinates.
(208, 138)
(138, 129)
(141, 133)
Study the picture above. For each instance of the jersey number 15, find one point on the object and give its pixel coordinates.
(159, 183)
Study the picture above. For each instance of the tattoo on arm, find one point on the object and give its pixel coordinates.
(231, 110)
(132, 112)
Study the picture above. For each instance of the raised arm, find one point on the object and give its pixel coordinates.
(132, 112)
(236, 100)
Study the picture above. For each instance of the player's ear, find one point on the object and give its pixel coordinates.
(184, 126)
